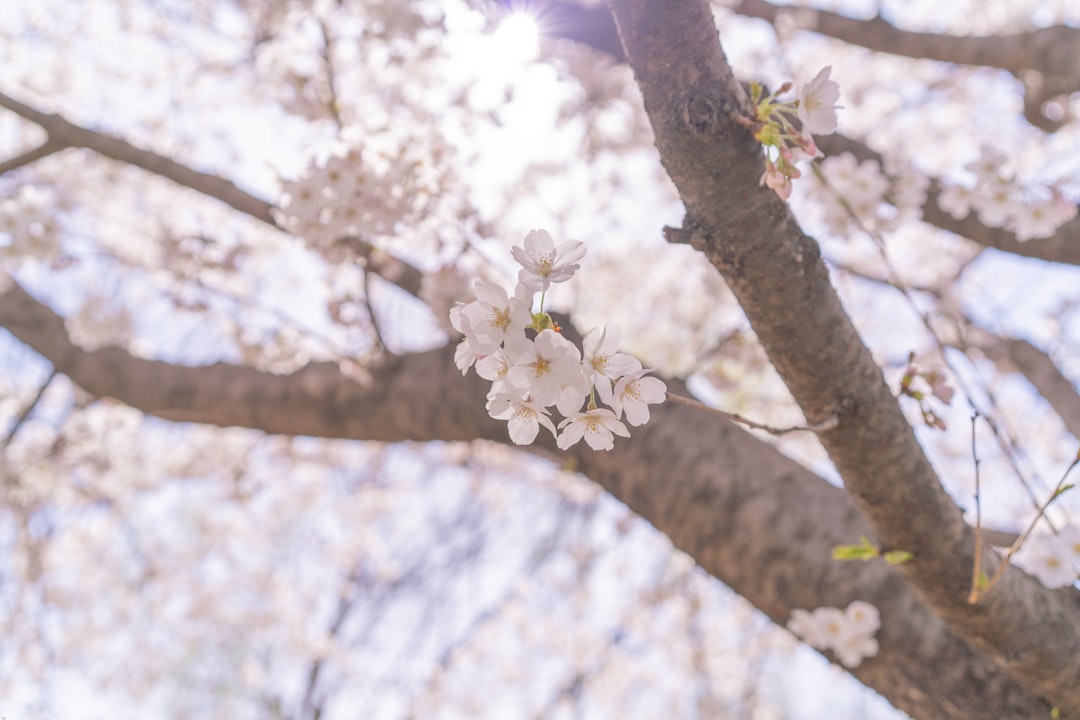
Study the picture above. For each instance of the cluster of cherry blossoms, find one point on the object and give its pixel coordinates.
(815, 108)
(1053, 559)
(1000, 200)
(848, 633)
(390, 181)
(531, 371)
(865, 194)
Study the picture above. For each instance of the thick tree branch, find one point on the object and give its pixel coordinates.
(1062, 247)
(776, 273)
(756, 520)
(62, 133)
(1047, 60)
(66, 133)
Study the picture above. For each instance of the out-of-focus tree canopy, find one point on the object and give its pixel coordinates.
(242, 476)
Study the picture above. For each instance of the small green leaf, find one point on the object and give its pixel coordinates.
(983, 580)
(1063, 489)
(1055, 713)
(896, 557)
(863, 551)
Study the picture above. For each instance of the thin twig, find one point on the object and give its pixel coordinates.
(976, 570)
(1024, 535)
(371, 312)
(43, 150)
(331, 76)
(828, 424)
(28, 409)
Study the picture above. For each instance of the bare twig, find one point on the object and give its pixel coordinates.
(976, 569)
(828, 424)
(21, 419)
(46, 149)
(1024, 535)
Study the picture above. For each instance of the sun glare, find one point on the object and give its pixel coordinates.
(518, 36)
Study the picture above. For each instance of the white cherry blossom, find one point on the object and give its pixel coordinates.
(817, 103)
(1051, 559)
(472, 347)
(525, 417)
(848, 633)
(603, 363)
(956, 200)
(634, 393)
(496, 316)
(542, 263)
(544, 365)
(598, 427)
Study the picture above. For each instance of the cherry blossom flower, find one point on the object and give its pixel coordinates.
(571, 398)
(851, 648)
(863, 617)
(497, 317)
(525, 417)
(634, 393)
(1051, 559)
(544, 365)
(472, 347)
(806, 625)
(542, 263)
(603, 363)
(1040, 219)
(817, 103)
(494, 367)
(776, 180)
(997, 206)
(848, 633)
(956, 200)
(598, 427)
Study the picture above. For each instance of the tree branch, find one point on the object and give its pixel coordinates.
(62, 133)
(756, 520)
(1047, 60)
(1038, 368)
(1062, 247)
(776, 273)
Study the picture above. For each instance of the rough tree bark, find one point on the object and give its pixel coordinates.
(759, 522)
(779, 279)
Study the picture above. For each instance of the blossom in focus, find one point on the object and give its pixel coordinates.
(544, 365)
(603, 363)
(598, 427)
(497, 317)
(634, 393)
(542, 263)
(525, 417)
(817, 103)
